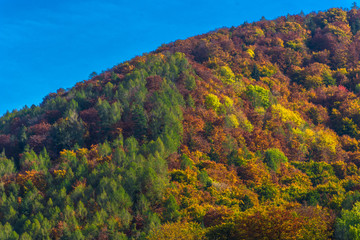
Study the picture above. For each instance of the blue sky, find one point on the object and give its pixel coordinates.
(46, 45)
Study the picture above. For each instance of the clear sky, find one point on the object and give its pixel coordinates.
(46, 45)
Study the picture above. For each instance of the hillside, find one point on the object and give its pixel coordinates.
(249, 132)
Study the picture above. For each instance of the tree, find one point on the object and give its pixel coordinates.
(212, 102)
(109, 115)
(347, 226)
(68, 132)
(171, 212)
(190, 82)
(140, 121)
(259, 96)
(7, 166)
(274, 157)
(177, 230)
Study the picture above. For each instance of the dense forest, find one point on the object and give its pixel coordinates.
(249, 132)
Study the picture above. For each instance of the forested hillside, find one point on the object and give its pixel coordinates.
(249, 132)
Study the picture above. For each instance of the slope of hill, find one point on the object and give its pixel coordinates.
(243, 133)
